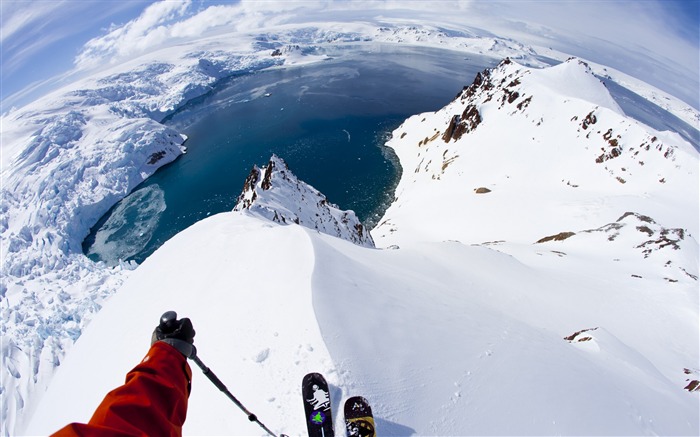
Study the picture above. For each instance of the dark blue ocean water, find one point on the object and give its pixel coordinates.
(328, 121)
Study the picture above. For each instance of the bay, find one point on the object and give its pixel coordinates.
(329, 121)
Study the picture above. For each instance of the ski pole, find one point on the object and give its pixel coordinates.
(220, 385)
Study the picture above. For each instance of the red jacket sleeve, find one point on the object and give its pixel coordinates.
(152, 401)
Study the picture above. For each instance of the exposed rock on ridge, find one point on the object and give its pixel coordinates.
(275, 193)
(671, 249)
(558, 154)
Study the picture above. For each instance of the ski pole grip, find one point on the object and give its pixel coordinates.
(167, 321)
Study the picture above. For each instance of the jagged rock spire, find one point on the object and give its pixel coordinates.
(275, 193)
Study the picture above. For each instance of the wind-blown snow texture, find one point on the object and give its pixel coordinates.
(559, 159)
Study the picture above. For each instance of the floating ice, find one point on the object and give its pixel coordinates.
(130, 226)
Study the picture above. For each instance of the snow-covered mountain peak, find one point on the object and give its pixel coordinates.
(573, 79)
(513, 83)
(275, 193)
(521, 150)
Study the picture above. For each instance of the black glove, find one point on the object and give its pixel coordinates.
(177, 333)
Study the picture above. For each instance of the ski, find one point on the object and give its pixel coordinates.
(359, 421)
(317, 405)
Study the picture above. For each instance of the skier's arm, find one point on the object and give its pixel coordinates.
(153, 400)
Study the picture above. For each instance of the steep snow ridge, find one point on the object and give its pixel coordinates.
(245, 283)
(545, 159)
(462, 348)
(660, 98)
(560, 78)
(275, 193)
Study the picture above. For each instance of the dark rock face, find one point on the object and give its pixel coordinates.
(558, 237)
(461, 124)
(656, 237)
(589, 120)
(447, 136)
(471, 117)
(481, 83)
(267, 180)
(249, 186)
(575, 336)
(157, 156)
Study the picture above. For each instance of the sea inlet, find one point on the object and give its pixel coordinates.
(329, 121)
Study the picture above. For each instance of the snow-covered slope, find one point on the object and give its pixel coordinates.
(525, 153)
(255, 329)
(434, 335)
(275, 193)
(70, 156)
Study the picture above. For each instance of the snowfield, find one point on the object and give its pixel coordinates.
(536, 274)
(435, 335)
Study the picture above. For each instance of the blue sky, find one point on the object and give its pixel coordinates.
(688, 14)
(41, 41)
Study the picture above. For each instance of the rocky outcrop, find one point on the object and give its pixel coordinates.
(654, 237)
(482, 90)
(693, 384)
(275, 193)
(576, 337)
(639, 234)
(558, 237)
(462, 124)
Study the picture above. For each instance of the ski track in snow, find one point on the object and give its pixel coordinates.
(78, 151)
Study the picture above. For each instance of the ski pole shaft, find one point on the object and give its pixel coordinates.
(220, 385)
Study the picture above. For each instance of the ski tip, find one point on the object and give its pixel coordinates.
(313, 375)
(357, 402)
(359, 421)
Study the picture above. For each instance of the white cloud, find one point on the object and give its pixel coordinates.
(167, 21)
(632, 25)
(150, 29)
